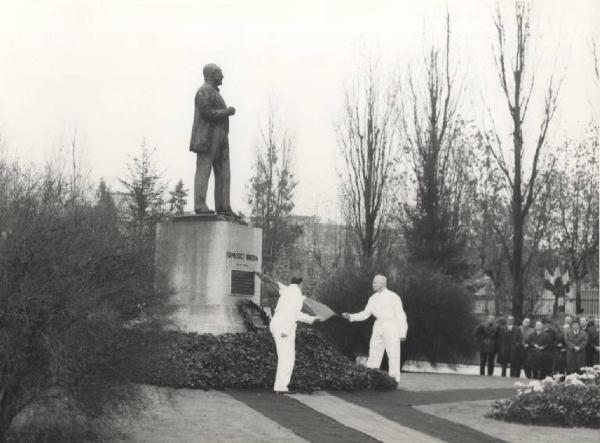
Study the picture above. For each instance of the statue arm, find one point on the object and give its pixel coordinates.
(207, 112)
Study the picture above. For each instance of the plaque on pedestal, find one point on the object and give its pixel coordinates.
(210, 263)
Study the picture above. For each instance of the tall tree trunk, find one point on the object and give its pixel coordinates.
(517, 86)
(517, 272)
(578, 309)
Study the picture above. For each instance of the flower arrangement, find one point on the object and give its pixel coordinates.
(568, 401)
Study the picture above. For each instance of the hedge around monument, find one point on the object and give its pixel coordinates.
(247, 360)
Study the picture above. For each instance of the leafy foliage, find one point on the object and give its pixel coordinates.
(68, 283)
(248, 360)
(440, 317)
(574, 402)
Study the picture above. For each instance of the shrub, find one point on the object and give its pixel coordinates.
(247, 360)
(347, 290)
(551, 402)
(69, 280)
(440, 321)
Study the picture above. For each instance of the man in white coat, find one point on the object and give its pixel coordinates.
(389, 329)
(283, 328)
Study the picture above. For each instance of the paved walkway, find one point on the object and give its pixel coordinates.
(428, 408)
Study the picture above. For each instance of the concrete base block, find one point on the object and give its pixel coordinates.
(209, 264)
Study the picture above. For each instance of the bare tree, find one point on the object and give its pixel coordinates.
(368, 138)
(517, 81)
(577, 197)
(271, 191)
(438, 146)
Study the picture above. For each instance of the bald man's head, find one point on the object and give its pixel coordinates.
(379, 283)
(213, 74)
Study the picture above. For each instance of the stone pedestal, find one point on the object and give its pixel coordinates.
(209, 262)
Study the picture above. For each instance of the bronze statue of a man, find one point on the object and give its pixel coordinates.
(211, 144)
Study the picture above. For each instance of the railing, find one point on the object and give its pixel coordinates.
(590, 304)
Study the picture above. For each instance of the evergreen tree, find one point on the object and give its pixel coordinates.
(438, 147)
(146, 204)
(178, 199)
(105, 206)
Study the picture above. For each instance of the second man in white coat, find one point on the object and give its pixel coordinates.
(389, 329)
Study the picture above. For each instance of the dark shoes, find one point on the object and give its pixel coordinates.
(228, 213)
(285, 392)
(203, 210)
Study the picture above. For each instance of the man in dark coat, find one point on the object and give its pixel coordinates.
(576, 341)
(540, 354)
(210, 143)
(561, 365)
(549, 328)
(509, 342)
(526, 331)
(487, 336)
(593, 348)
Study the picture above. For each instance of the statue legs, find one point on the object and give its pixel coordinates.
(217, 159)
(222, 178)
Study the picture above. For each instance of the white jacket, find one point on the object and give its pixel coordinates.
(385, 305)
(289, 309)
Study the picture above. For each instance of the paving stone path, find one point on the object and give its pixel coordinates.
(405, 415)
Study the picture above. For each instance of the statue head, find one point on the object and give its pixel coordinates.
(213, 74)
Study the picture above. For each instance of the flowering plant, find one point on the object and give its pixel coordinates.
(569, 401)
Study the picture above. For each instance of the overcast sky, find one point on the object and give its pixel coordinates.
(123, 71)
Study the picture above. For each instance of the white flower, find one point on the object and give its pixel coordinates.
(573, 376)
(537, 386)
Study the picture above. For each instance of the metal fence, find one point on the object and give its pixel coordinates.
(590, 304)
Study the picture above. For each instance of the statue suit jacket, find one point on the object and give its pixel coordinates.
(211, 120)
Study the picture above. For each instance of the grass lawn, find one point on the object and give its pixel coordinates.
(472, 414)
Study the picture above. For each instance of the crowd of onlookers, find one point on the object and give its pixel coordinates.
(540, 350)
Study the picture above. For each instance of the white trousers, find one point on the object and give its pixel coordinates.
(385, 337)
(286, 356)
